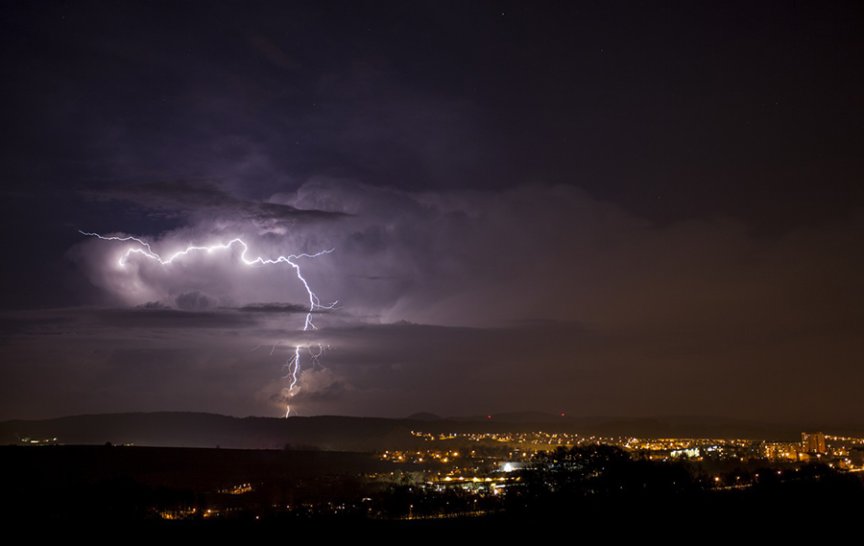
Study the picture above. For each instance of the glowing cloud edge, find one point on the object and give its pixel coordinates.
(293, 365)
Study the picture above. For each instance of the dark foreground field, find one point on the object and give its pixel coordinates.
(178, 490)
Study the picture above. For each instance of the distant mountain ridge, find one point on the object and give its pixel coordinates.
(424, 416)
(340, 433)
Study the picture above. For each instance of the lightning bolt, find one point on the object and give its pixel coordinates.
(293, 365)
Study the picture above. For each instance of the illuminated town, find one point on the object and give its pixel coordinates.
(845, 452)
(460, 475)
(486, 461)
(455, 475)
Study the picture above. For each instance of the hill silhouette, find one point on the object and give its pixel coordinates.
(424, 416)
(339, 433)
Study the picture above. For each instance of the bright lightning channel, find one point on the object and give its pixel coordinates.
(293, 365)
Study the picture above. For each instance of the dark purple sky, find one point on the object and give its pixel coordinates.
(601, 208)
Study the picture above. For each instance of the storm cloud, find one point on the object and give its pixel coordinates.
(596, 209)
(543, 295)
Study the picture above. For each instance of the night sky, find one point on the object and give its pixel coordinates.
(600, 208)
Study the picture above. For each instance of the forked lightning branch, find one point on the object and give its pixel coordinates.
(143, 249)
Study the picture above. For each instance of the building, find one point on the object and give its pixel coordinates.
(813, 442)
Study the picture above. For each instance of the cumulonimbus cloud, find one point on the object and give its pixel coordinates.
(515, 289)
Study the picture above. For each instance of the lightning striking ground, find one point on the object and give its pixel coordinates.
(293, 364)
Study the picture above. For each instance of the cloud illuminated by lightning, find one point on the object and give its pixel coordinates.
(144, 249)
